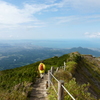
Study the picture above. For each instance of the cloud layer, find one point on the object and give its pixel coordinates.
(11, 14)
(47, 13)
(92, 35)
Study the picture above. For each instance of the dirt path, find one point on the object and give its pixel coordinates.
(39, 89)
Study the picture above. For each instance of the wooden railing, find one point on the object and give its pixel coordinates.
(61, 88)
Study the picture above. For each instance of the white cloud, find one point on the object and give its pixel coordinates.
(32, 9)
(84, 5)
(30, 15)
(80, 5)
(11, 15)
(77, 19)
(92, 35)
(66, 19)
(50, 1)
(76, 3)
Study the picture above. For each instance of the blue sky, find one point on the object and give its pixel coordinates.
(49, 19)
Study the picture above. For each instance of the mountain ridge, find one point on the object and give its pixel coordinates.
(17, 80)
(27, 54)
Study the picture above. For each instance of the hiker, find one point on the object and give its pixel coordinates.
(41, 69)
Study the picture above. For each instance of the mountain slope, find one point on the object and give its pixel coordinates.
(81, 77)
(25, 54)
(16, 83)
(88, 71)
(85, 51)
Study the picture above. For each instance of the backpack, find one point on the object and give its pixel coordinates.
(41, 67)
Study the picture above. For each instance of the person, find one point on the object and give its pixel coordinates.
(41, 69)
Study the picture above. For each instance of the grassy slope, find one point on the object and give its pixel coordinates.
(17, 81)
(85, 75)
(88, 71)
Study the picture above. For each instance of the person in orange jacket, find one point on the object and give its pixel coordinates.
(41, 69)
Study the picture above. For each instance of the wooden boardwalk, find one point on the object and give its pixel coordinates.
(39, 89)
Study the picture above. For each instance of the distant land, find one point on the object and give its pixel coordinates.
(16, 53)
(58, 43)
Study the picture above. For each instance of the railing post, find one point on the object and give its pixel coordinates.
(60, 90)
(57, 69)
(49, 78)
(64, 65)
(52, 70)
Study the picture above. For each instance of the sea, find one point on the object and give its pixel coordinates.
(59, 43)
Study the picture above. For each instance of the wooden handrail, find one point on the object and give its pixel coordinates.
(61, 87)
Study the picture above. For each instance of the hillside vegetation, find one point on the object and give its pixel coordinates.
(22, 54)
(81, 76)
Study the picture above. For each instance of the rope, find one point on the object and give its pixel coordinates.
(54, 77)
(68, 92)
(54, 87)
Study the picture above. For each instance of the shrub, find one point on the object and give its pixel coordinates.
(71, 66)
(79, 92)
(18, 92)
(63, 75)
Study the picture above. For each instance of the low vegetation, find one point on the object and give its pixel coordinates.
(81, 76)
(16, 83)
(81, 79)
(79, 92)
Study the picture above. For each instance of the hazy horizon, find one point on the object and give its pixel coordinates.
(58, 43)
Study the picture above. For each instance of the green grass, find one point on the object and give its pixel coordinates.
(18, 77)
(71, 66)
(79, 92)
(77, 64)
(15, 84)
(92, 76)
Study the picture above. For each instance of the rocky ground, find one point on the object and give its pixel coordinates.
(39, 91)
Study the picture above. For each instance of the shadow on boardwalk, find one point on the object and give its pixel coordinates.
(39, 89)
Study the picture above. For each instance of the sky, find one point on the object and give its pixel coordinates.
(49, 19)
